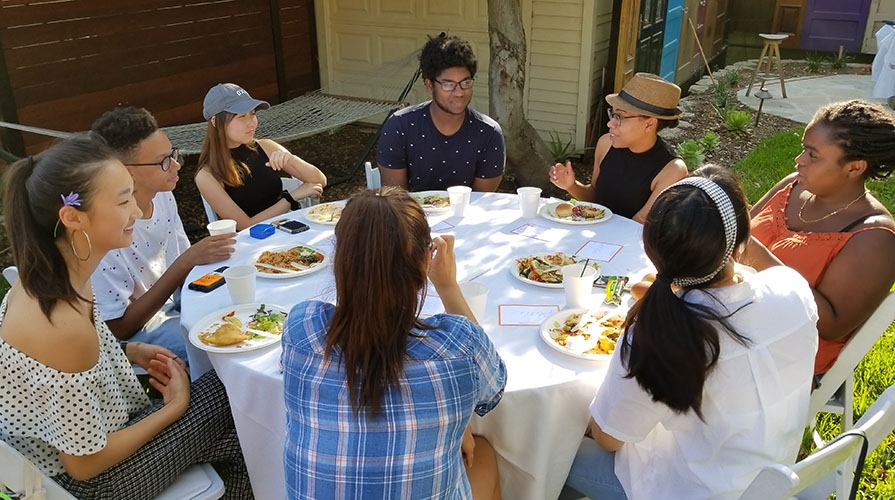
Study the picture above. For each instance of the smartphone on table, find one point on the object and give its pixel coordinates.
(290, 226)
(208, 282)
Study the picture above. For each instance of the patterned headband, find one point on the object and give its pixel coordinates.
(728, 218)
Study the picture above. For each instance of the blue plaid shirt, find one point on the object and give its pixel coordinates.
(411, 450)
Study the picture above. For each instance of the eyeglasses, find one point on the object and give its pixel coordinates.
(617, 118)
(165, 164)
(448, 85)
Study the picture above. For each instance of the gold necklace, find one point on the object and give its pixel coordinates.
(834, 212)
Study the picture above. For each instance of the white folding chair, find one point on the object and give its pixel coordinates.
(820, 473)
(373, 179)
(835, 391)
(11, 274)
(18, 475)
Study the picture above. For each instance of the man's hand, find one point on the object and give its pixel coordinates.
(142, 354)
(211, 249)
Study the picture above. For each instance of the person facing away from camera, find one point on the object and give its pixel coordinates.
(378, 399)
(823, 222)
(443, 142)
(138, 287)
(710, 381)
(72, 404)
(240, 175)
(632, 164)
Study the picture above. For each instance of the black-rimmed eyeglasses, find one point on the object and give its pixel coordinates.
(165, 164)
(449, 86)
(617, 118)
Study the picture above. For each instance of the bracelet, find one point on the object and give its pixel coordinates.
(288, 197)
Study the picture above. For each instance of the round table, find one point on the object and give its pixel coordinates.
(538, 424)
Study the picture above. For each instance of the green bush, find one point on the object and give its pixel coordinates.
(737, 122)
(562, 151)
(710, 141)
(837, 62)
(692, 153)
(813, 61)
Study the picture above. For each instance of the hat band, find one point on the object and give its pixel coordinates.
(646, 106)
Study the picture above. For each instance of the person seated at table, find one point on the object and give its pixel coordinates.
(632, 164)
(709, 382)
(443, 142)
(823, 222)
(239, 175)
(378, 399)
(138, 287)
(71, 401)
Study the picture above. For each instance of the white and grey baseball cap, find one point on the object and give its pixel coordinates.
(230, 97)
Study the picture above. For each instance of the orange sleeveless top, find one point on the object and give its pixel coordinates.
(808, 253)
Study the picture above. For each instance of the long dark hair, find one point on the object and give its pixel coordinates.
(382, 240)
(672, 344)
(32, 197)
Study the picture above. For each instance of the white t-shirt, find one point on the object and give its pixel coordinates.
(755, 400)
(125, 274)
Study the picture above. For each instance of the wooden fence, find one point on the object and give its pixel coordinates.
(65, 62)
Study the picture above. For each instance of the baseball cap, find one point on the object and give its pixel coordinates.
(229, 97)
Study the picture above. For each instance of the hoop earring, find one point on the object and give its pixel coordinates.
(89, 246)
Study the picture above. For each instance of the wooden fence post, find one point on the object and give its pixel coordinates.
(11, 140)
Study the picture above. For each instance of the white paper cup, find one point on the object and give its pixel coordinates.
(459, 196)
(241, 283)
(529, 201)
(578, 288)
(222, 226)
(476, 295)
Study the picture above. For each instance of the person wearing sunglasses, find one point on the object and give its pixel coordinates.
(138, 287)
(632, 164)
(443, 142)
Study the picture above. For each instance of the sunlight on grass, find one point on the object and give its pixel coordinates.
(772, 160)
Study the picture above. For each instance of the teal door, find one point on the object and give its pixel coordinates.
(673, 24)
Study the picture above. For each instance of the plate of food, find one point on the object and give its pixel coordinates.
(575, 212)
(544, 269)
(584, 333)
(239, 328)
(325, 213)
(289, 261)
(433, 202)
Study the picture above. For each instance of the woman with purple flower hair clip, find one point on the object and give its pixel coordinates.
(99, 436)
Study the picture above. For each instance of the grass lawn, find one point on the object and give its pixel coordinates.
(761, 169)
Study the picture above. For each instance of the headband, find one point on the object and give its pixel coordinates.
(728, 218)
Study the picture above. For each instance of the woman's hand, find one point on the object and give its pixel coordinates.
(562, 176)
(142, 354)
(467, 447)
(307, 189)
(172, 381)
(443, 266)
(278, 160)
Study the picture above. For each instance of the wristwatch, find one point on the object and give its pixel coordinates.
(288, 197)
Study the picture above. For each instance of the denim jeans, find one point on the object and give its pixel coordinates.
(593, 474)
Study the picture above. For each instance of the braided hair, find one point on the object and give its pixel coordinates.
(864, 131)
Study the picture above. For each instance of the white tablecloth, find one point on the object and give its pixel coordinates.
(537, 426)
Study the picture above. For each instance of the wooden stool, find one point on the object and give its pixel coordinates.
(771, 50)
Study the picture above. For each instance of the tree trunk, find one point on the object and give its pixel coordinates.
(527, 156)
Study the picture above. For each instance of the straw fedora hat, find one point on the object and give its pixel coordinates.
(649, 95)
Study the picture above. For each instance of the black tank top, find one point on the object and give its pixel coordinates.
(625, 177)
(260, 188)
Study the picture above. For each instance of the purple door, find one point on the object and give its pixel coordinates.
(830, 24)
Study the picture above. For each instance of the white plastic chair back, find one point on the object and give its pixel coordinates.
(373, 179)
(291, 183)
(841, 374)
(209, 212)
(11, 274)
(19, 475)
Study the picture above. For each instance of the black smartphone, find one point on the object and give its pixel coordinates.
(208, 282)
(291, 226)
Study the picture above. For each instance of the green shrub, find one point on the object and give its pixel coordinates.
(737, 122)
(722, 96)
(692, 153)
(813, 61)
(562, 151)
(837, 62)
(710, 141)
